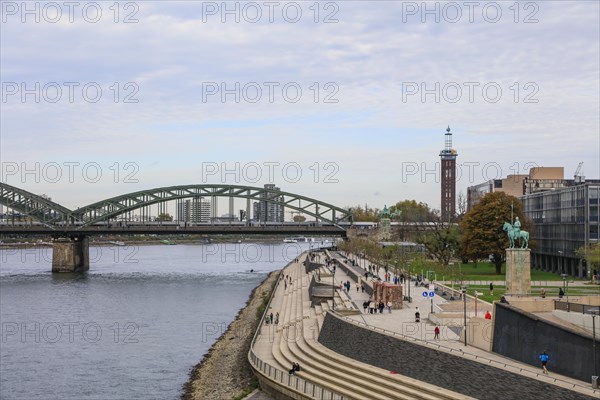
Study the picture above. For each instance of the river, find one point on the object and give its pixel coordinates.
(132, 327)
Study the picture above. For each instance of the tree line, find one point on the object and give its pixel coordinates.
(473, 236)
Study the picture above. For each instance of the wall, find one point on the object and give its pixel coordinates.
(479, 333)
(351, 272)
(429, 365)
(533, 304)
(523, 336)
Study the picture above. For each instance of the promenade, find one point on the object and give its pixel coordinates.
(328, 374)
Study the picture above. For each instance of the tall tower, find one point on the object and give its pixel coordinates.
(448, 170)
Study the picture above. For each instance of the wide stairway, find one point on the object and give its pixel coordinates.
(294, 340)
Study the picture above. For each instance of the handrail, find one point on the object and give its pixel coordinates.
(300, 385)
(461, 351)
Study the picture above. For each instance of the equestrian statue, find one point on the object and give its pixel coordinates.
(514, 232)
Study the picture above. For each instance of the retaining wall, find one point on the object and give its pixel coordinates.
(427, 364)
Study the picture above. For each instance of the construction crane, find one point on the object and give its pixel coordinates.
(577, 175)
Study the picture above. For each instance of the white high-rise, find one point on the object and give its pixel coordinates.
(196, 210)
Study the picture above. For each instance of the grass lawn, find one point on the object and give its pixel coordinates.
(484, 271)
(551, 291)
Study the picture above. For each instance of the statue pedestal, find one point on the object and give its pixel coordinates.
(518, 271)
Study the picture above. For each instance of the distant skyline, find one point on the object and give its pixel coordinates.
(357, 101)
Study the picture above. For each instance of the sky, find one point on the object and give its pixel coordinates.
(343, 101)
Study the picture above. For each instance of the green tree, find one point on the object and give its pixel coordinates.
(482, 228)
(591, 255)
(411, 211)
(366, 214)
(164, 217)
(442, 241)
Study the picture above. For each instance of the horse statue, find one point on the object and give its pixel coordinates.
(387, 213)
(514, 234)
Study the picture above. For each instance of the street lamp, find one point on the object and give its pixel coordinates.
(452, 278)
(464, 293)
(409, 300)
(566, 287)
(333, 288)
(594, 340)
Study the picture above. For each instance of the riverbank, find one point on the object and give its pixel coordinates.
(225, 373)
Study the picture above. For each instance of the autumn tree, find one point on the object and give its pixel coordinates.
(482, 234)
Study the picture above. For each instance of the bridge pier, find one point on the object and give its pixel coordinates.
(71, 254)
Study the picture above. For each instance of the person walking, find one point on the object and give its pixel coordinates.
(365, 305)
(389, 306)
(544, 359)
(436, 331)
(371, 307)
(491, 288)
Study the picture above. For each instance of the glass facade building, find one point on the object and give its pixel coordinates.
(565, 220)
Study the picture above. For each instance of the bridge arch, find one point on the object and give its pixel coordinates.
(110, 208)
(42, 209)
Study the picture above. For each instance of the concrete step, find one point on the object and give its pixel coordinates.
(345, 375)
(311, 370)
(370, 377)
(295, 340)
(415, 388)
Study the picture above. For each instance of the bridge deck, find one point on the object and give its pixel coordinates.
(175, 230)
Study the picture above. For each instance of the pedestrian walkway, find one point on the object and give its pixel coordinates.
(327, 374)
(323, 373)
(401, 323)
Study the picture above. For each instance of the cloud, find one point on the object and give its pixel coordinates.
(354, 109)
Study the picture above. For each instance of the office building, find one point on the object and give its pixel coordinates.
(565, 220)
(266, 210)
(195, 210)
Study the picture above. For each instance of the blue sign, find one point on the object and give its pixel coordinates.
(424, 294)
(431, 294)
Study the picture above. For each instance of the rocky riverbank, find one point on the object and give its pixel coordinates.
(225, 373)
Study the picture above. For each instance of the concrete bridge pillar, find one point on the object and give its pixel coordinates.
(71, 254)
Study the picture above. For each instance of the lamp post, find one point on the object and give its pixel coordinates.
(566, 287)
(333, 288)
(464, 293)
(452, 279)
(594, 341)
(409, 300)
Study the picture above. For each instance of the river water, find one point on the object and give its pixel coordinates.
(132, 327)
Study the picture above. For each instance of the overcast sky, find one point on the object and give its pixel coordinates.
(353, 95)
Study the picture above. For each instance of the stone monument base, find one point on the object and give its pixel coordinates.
(518, 271)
